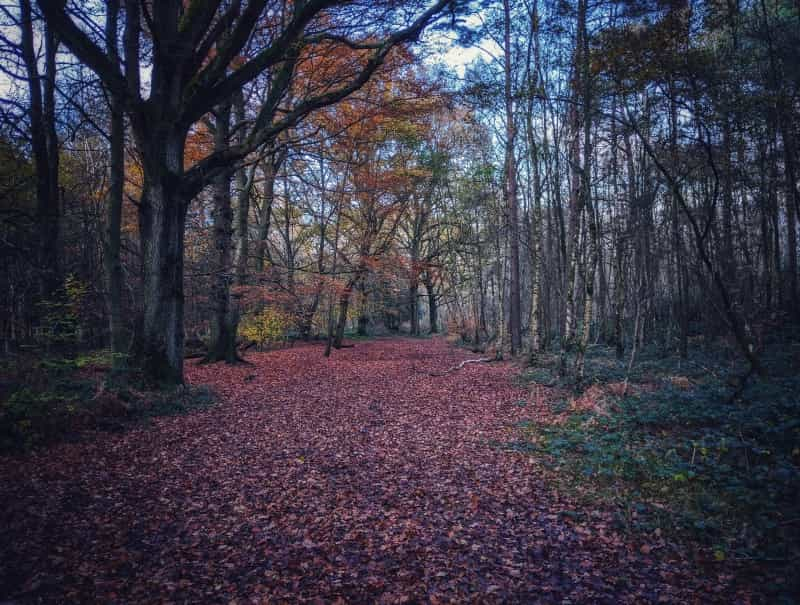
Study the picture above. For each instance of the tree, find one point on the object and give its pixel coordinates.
(45, 146)
(116, 189)
(187, 80)
(510, 186)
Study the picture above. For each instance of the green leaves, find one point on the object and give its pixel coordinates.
(723, 473)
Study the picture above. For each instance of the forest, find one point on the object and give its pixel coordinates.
(399, 301)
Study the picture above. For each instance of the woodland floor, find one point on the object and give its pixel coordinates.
(360, 478)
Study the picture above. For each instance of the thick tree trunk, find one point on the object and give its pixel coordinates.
(160, 348)
(536, 204)
(162, 213)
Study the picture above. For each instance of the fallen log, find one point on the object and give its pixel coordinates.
(461, 365)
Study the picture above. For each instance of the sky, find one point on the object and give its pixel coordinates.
(440, 47)
(458, 58)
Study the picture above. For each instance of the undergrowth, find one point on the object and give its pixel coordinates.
(51, 399)
(676, 455)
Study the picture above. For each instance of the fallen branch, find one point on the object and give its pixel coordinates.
(459, 366)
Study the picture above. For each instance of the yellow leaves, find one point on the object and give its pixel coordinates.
(270, 325)
(403, 129)
(417, 173)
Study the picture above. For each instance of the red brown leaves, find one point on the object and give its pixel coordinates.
(352, 479)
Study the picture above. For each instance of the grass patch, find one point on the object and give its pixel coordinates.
(681, 458)
(544, 376)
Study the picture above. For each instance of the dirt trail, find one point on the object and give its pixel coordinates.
(360, 478)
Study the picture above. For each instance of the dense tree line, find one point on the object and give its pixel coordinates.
(651, 149)
(620, 172)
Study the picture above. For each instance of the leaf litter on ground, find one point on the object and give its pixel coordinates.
(352, 479)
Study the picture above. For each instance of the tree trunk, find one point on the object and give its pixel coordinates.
(288, 232)
(681, 273)
(334, 266)
(588, 300)
(162, 214)
(307, 320)
(270, 167)
(113, 263)
(309, 312)
(433, 309)
(515, 314)
(619, 300)
(413, 305)
(245, 178)
(568, 334)
(728, 260)
(44, 144)
(224, 318)
(363, 312)
(791, 203)
(341, 324)
(500, 281)
(536, 243)
(775, 221)
(160, 349)
(586, 193)
(766, 242)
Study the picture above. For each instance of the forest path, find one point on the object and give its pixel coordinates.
(360, 478)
